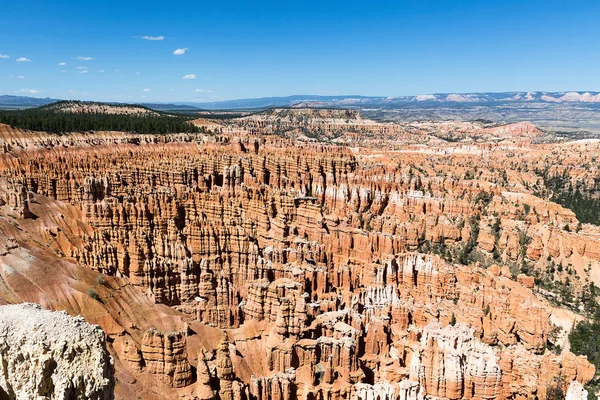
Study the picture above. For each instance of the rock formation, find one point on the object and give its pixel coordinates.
(164, 355)
(48, 354)
(249, 266)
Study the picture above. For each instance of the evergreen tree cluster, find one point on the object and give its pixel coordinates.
(49, 119)
(582, 201)
(584, 338)
(584, 341)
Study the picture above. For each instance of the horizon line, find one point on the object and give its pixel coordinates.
(319, 95)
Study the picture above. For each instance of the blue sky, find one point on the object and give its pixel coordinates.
(237, 49)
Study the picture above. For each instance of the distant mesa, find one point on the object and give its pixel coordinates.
(350, 100)
(81, 107)
(401, 101)
(7, 101)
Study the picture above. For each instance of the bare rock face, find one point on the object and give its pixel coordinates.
(576, 391)
(45, 354)
(165, 357)
(203, 390)
(225, 370)
(280, 386)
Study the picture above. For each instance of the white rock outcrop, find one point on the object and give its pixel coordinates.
(576, 391)
(51, 355)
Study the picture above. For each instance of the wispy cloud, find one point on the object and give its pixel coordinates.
(180, 52)
(62, 64)
(4, 56)
(80, 67)
(18, 77)
(22, 59)
(199, 90)
(85, 71)
(146, 90)
(101, 71)
(152, 38)
(189, 76)
(82, 58)
(28, 91)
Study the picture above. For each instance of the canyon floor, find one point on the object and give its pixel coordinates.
(312, 254)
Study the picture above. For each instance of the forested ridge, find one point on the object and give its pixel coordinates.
(51, 119)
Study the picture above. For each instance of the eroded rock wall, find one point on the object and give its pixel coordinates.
(292, 270)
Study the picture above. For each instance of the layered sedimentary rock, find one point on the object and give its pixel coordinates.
(164, 355)
(349, 127)
(203, 389)
(283, 270)
(48, 354)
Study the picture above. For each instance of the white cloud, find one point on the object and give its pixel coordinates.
(146, 90)
(62, 64)
(82, 58)
(28, 91)
(80, 67)
(153, 38)
(189, 76)
(199, 90)
(85, 71)
(22, 59)
(4, 56)
(180, 52)
(18, 77)
(101, 71)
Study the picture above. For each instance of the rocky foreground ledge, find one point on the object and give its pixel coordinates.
(45, 354)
